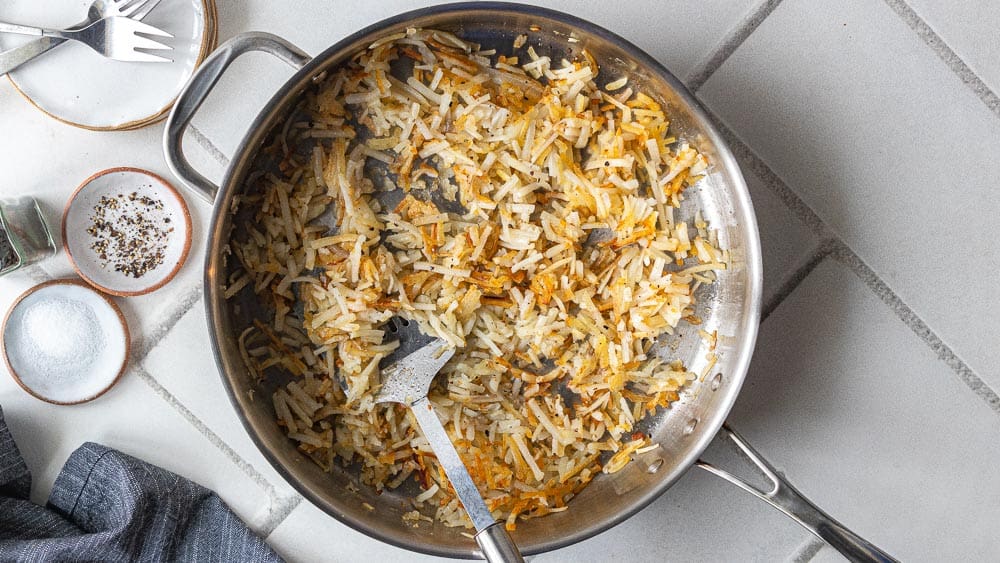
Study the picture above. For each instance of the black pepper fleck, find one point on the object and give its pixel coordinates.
(130, 233)
(8, 256)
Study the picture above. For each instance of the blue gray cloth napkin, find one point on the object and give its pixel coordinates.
(108, 506)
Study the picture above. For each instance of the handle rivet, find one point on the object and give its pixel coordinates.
(690, 426)
(716, 382)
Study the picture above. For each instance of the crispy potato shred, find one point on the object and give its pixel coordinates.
(535, 234)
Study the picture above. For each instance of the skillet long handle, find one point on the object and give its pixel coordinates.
(493, 539)
(201, 85)
(787, 499)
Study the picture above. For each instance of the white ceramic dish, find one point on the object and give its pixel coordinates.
(75, 85)
(65, 343)
(113, 184)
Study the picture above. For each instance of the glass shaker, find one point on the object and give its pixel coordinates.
(24, 236)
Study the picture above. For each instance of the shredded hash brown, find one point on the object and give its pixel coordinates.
(553, 283)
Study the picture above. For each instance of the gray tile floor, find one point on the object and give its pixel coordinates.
(868, 131)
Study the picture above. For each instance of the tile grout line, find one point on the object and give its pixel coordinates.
(285, 507)
(771, 180)
(146, 344)
(937, 44)
(203, 428)
(281, 507)
(843, 254)
(818, 255)
(209, 146)
(700, 75)
(808, 550)
(36, 273)
(213, 438)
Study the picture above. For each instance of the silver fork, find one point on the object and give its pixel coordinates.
(100, 9)
(115, 37)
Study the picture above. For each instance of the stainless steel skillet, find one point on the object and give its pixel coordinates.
(731, 306)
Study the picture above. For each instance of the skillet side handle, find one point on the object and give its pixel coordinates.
(200, 86)
(787, 499)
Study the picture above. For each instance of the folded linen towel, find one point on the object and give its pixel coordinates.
(109, 506)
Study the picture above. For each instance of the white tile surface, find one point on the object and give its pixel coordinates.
(859, 415)
(842, 99)
(183, 364)
(970, 29)
(888, 146)
(679, 34)
(130, 418)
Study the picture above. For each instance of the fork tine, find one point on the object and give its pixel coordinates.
(141, 57)
(147, 29)
(140, 42)
(128, 7)
(144, 9)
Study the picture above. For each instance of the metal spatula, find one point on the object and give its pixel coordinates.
(406, 379)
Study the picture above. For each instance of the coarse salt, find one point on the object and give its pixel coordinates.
(65, 342)
(61, 336)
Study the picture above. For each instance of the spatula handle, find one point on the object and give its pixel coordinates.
(496, 544)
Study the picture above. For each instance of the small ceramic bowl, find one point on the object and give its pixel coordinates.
(65, 343)
(103, 226)
(77, 86)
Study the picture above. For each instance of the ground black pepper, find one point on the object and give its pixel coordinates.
(130, 233)
(7, 254)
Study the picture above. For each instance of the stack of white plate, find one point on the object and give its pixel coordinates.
(77, 86)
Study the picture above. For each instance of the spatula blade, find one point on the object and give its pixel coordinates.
(407, 380)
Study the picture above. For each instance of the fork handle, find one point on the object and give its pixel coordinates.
(36, 31)
(14, 57)
(24, 30)
(17, 56)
